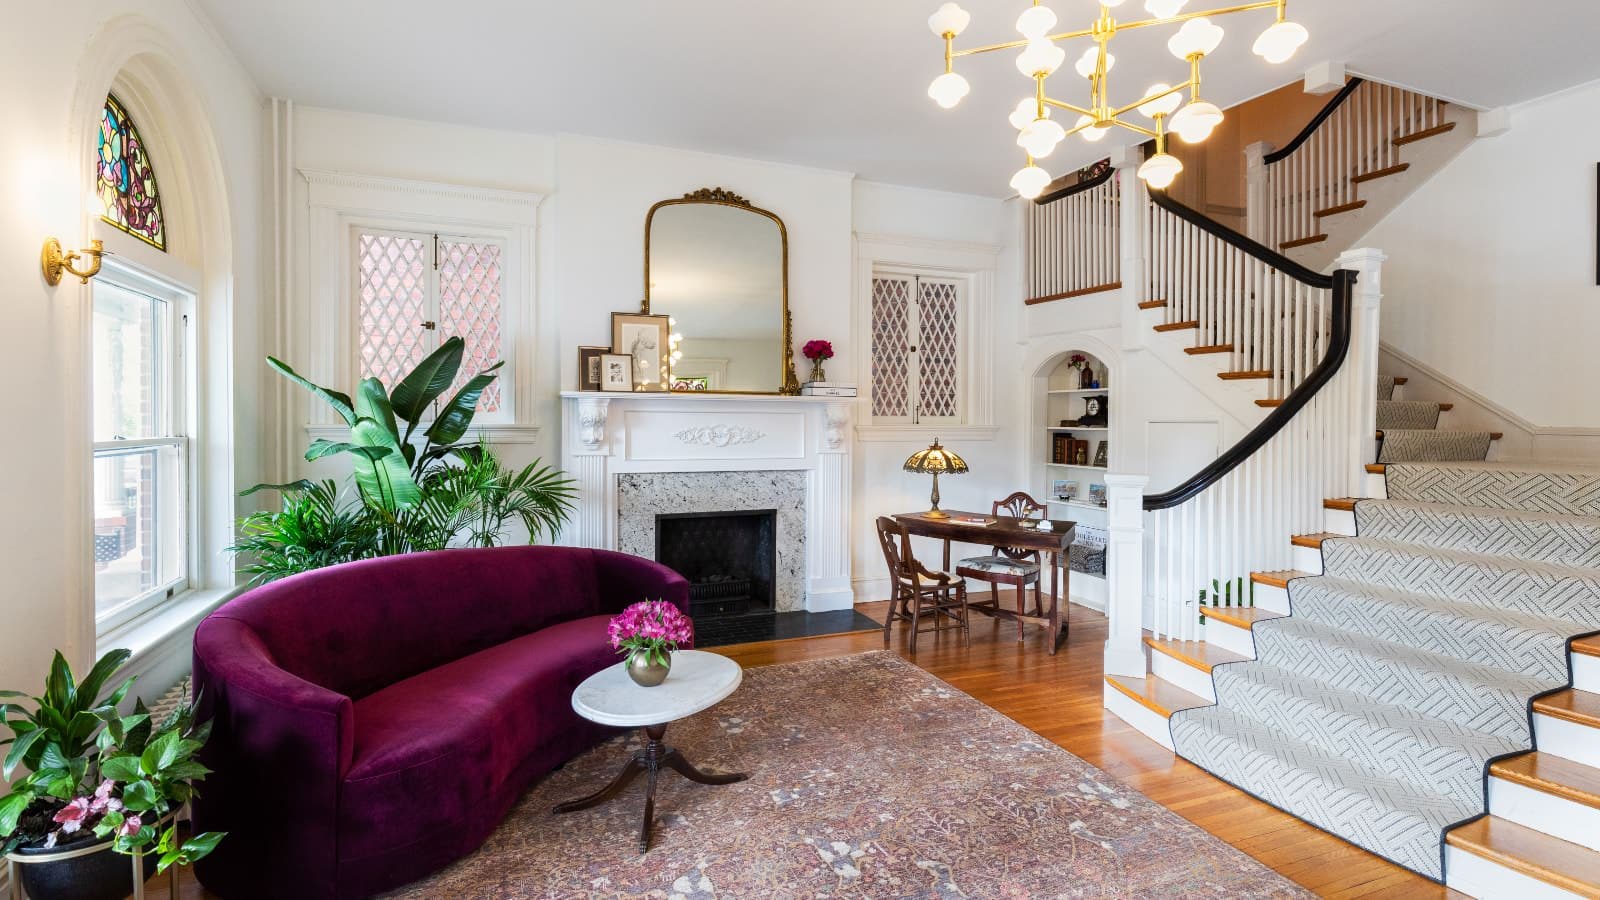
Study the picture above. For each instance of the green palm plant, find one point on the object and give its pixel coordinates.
(313, 528)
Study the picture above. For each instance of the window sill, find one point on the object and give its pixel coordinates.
(156, 632)
(926, 433)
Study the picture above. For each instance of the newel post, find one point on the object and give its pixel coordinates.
(1255, 198)
(1130, 230)
(1124, 654)
(1367, 263)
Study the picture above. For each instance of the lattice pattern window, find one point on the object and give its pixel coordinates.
(418, 289)
(125, 179)
(917, 349)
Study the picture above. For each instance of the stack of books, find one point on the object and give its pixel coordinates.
(827, 389)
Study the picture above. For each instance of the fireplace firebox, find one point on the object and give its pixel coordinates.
(729, 558)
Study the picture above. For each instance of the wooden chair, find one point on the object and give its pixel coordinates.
(917, 591)
(1008, 565)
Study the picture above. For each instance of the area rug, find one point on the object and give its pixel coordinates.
(869, 778)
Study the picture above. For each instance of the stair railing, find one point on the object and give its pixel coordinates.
(1073, 239)
(1355, 137)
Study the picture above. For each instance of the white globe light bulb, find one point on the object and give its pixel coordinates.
(1161, 170)
(1278, 43)
(1041, 137)
(1030, 181)
(1195, 122)
(1163, 106)
(1196, 36)
(1036, 22)
(1027, 110)
(948, 89)
(1164, 9)
(1111, 4)
(949, 19)
(1040, 57)
(1090, 132)
(1091, 58)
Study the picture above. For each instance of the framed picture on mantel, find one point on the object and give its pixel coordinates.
(646, 339)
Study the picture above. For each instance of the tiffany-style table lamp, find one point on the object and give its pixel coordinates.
(936, 461)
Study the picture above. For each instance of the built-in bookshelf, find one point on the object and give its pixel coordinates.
(1065, 452)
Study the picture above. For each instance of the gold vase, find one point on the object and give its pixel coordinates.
(646, 672)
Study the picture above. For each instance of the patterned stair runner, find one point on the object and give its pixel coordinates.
(1411, 432)
(1406, 666)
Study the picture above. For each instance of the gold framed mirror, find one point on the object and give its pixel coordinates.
(719, 266)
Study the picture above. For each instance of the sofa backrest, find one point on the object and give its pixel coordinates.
(359, 627)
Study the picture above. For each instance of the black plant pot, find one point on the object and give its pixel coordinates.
(98, 875)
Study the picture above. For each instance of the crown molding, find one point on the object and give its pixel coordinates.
(333, 179)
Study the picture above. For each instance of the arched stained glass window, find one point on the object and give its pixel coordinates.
(126, 180)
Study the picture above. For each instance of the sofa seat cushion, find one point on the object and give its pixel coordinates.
(434, 753)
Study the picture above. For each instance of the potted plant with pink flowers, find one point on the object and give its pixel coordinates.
(817, 352)
(647, 633)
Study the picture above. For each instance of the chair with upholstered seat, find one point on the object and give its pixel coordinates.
(918, 591)
(1008, 565)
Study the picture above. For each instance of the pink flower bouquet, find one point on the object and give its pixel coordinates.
(653, 628)
(815, 350)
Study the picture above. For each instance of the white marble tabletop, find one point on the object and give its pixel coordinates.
(698, 681)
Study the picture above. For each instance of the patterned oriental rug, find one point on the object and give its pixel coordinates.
(868, 778)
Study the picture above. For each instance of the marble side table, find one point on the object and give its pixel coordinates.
(699, 681)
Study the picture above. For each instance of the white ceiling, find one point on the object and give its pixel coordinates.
(840, 84)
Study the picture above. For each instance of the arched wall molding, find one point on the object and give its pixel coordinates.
(153, 75)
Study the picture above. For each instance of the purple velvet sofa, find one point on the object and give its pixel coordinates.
(374, 721)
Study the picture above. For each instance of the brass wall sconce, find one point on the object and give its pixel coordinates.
(57, 262)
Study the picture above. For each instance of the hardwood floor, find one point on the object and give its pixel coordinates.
(1060, 698)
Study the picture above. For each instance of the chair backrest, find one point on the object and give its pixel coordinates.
(896, 544)
(1020, 505)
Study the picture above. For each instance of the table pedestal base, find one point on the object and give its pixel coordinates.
(649, 761)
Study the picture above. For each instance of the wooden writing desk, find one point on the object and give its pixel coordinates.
(1007, 532)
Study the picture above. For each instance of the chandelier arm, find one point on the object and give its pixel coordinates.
(1177, 88)
(1279, 5)
(1132, 127)
(1069, 108)
(1012, 45)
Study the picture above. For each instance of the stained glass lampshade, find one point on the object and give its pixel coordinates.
(935, 460)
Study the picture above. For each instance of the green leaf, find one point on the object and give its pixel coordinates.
(323, 447)
(432, 377)
(102, 671)
(340, 402)
(139, 796)
(121, 768)
(454, 420)
(289, 487)
(11, 808)
(187, 770)
(59, 688)
(162, 752)
(20, 749)
(385, 482)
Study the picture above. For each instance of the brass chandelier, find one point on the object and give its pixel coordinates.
(1038, 134)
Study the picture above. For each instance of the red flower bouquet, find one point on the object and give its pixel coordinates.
(817, 350)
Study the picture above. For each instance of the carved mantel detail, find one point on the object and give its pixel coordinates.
(837, 420)
(719, 435)
(592, 413)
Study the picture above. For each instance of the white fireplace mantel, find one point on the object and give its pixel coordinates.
(607, 434)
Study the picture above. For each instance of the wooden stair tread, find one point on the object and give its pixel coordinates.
(1531, 853)
(1201, 655)
(1314, 541)
(1424, 134)
(1158, 695)
(1551, 774)
(1214, 348)
(1270, 402)
(1572, 705)
(1588, 646)
(1068, 295)
(1376, 468)
(1341, 208)
(1241, 376)
(1401, 379)
(1152, 304)
(1375, 174)
(1302, 242)
(1348, 504)
(1240, 616)
(1446, 407)
(1278, 578)
(1177, 326)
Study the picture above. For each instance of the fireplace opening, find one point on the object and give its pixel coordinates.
(729, 558)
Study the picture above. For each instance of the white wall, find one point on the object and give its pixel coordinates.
(52, 61)
(1491, 272)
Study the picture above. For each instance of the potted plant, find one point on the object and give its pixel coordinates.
(98, 784)
(647, 633)
(817, 352)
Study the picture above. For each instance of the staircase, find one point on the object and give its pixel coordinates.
(1433, 655)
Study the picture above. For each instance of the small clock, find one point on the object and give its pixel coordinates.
(1094, 411)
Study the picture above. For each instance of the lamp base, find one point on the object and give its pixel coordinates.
(936, 513)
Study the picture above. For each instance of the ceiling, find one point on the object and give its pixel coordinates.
(840, 84)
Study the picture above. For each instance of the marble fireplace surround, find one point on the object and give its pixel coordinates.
(638, 455)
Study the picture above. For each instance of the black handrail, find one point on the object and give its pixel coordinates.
(1327, 110)
(1092, 181)
(1249, 246)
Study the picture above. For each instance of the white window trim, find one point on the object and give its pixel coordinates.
(339, 202)
(973, 263)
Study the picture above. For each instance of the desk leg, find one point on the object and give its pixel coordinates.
(1055, 604)
(946, 555)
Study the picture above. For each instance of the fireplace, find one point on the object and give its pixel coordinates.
(730, 559)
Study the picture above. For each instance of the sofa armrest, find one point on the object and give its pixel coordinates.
(625, 580)
(279, 749)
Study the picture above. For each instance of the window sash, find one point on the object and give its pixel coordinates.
(902, 387)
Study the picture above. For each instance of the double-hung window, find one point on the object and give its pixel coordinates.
(415, 289)
(141, 445)
(918, 348)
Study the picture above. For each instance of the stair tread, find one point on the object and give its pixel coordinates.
(1376, 468)
(1279, 577)
(1152, 304)
(1531, 853)
(1348, 504)
(1302, 242)
(1314, 541)
(1424, 134)
(1552, 774)
(1177, 326)
(1158, 695)
(1240, 616)
(1401, 379)
(1214, 348)
(1270, 402)
(1352, 206)
(1241, 376)
(1572, 705)
(1201, 655)
(1374, 175)
(1587, 646)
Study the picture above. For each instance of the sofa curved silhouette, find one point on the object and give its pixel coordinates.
(374, 721)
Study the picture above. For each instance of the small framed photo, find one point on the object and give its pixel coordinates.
(616, 372)
(1102, 454)
(589, 367)
(1064, 489)
(647, 339)
(1097, 494)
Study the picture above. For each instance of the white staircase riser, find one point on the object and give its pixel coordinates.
(1144, 719)
(1308, 560)
(1568, 740)
(1185, 676)
(1478, 877)
(1377, 487)
(1555, 816)
(1339, 521)
(1586, 673)
(1230, 637)
(1273, 598)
